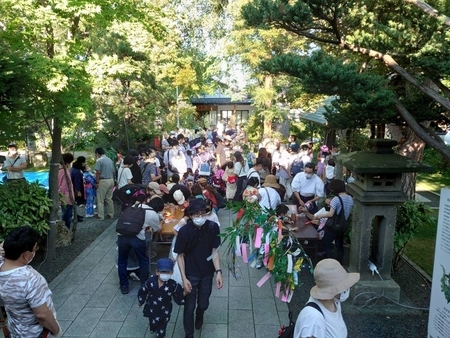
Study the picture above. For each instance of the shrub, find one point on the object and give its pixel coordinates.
(23, 203)
(410, 215)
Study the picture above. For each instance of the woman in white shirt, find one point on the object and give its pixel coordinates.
(322, 316)
(241, 170)
(124, 174)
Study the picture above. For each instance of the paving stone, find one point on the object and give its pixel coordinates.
(267, 331)
(135, 324)
(106, 329)
(85, 322)
(265, 291)
(214, 330)
(118, 308)
(217, 312)
(240, 298)
(265, 312)
(240, 324)
(72, 306)
(102, 296)
(90, 284)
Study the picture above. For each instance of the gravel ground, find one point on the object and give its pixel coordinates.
(389, 320)
(87, 232)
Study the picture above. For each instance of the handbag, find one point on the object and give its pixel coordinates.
(338, 223)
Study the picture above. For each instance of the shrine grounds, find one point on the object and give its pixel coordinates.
(86, 293)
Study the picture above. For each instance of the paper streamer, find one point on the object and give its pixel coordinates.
(252, 257)
(268, 238)
(264, 279)
(259, 233)
(284, 298)
(238, 246)
(277, 290)
(280, 235)
(290, 263)
(266, 254)
(244, 252)
(270, 266)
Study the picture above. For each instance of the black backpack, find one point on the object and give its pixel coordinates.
(338, 223)
(297, 166)
(287, 331)
(131, 220)
(221, 202)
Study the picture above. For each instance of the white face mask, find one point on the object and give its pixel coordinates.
(12, 152)
(165, 276)
(343, 296)
(34, 253)
(308, 175)
(199, 221)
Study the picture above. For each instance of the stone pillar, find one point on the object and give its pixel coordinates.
(377, 193)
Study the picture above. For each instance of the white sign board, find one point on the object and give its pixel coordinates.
(439, 320)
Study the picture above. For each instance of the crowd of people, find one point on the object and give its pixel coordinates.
(198, 174)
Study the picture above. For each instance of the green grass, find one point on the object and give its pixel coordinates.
(432, 182)
(420, 249)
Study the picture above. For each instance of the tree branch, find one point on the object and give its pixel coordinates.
(431, 11)
(306, 34)
(436, 143)
(391, 63)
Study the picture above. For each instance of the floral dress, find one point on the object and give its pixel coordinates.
(231, 188)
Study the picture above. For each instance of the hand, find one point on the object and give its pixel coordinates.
(302, 208)
(2, 251)
(219, 281)
(187, 285)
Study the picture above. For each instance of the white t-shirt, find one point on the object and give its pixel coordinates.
(329, 172)
(311, 323)
(308, 186)
(22, 290)
(123, 175)
(265, 193)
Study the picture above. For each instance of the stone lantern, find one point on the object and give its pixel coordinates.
(377, 193)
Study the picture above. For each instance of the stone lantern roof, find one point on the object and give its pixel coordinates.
(381, 159)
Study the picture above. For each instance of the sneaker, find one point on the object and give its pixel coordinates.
(88, 216)
(124, 290)
(98, 217)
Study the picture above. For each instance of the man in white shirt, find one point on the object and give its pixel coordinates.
(254, 171)
(307, 188)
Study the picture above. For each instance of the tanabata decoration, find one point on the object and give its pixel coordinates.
(259, 237)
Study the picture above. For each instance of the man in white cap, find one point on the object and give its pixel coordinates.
(322, 316)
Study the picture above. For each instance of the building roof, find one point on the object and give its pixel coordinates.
(316, 116)
(218, 101)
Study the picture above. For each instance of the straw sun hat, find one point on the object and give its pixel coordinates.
(271, 181)
(331, 279)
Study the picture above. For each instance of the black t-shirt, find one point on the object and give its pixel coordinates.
(137, 174)
(197, 244)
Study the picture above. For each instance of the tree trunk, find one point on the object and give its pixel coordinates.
(411, 146)
(53, 188)
(268, 84)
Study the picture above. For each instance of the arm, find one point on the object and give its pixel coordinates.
(46, 318)
(181, 265)
(216, 262)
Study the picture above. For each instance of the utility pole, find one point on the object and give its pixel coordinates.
(178, 112)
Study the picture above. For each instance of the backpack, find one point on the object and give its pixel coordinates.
(131, 220)
(287, 331)
(204, 169)
(337, 224)
(221, 202)
(129, 194)
(297, 166)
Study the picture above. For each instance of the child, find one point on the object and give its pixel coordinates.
(157, 294)
(283, 214)
(321, 223)
(250, 193)
(89, 189)
(231, 181)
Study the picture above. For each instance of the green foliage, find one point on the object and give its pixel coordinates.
(410, 215)
(436, 160)
(23, 203)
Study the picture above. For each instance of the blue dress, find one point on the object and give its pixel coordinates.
(158, 302)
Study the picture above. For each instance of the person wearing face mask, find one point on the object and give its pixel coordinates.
(322, 315)
(198, 259)
(307, 188)
(157, 294)
(333, 238)
(14, 164)
(24, 291)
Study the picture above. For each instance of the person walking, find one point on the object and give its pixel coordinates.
(241, 170)
(104, 172)
(322, 315)
(196, 243)
(65, 188)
